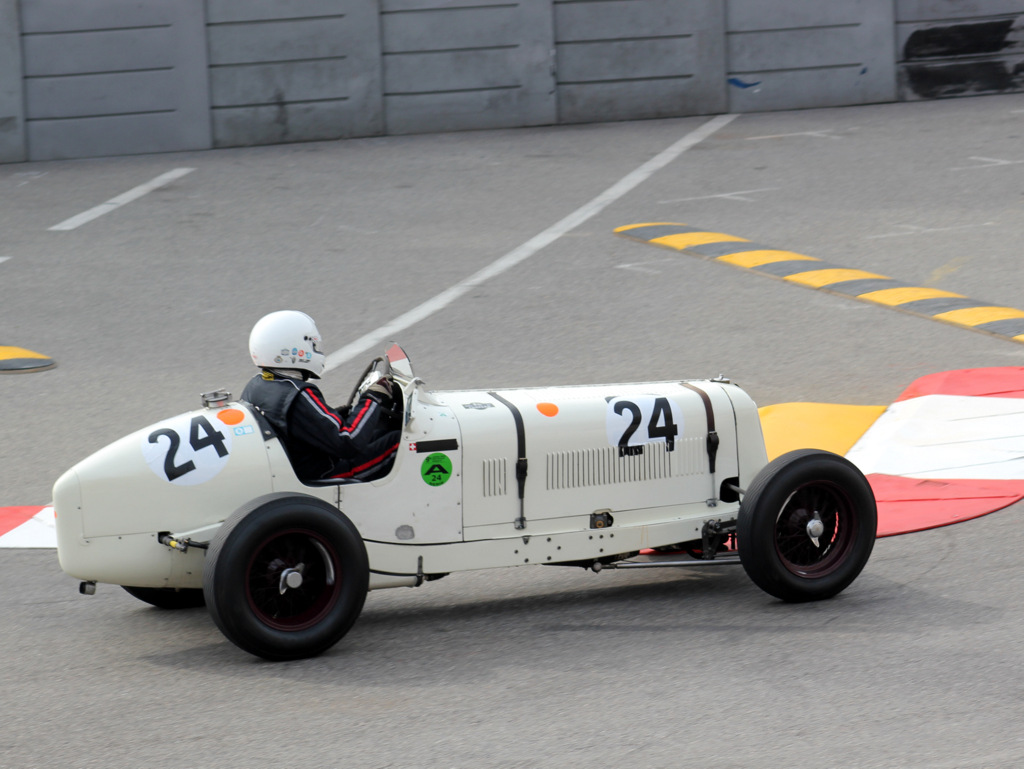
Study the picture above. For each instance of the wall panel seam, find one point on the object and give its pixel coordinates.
(276, 104)
(626, 80)
(99, 115)
(263, 22)
(98, 30)
(71, 75)
(277, 62)
(433, 92)
(401, 11)
(509, 47)
(810, 28)
(645, 39)
(796, 69)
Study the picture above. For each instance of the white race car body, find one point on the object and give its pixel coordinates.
(585, 475)
(112, 506)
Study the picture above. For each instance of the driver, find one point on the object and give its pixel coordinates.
(323, 443)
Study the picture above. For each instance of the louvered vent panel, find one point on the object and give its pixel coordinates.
(691, 456)
(495, 475)
(600, 467)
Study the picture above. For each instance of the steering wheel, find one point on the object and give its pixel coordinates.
(379, 368)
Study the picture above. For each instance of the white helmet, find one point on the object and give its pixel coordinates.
(287, 339)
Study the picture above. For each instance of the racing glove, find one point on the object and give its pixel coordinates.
(383, 389)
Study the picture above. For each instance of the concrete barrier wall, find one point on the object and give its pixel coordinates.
(293, 70)
(461, 64)
(79, 79)
(794, 54)
(12, 113)
(639, 59)
(113, 77)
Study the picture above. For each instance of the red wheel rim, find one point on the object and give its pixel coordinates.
(832, 506)
(278, 603)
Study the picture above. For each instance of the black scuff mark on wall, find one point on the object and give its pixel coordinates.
(937, 81)
(967, 39)
(963, 59)
(280, 115)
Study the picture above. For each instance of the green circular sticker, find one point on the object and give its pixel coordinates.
(436, 469)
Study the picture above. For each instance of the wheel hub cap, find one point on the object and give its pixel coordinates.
(815, 528)
(291, 578)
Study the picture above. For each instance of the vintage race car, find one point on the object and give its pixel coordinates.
(206, 508)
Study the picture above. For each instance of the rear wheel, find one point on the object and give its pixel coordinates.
(169, 597)
(806, 526)
(286, 577)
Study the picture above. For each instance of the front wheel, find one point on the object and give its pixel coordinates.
(806, 526)
(286, 577)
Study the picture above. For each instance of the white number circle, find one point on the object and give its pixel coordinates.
(187, 450)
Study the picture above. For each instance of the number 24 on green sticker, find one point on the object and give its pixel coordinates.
(436, 469)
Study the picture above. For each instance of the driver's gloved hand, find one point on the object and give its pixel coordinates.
(383, 389)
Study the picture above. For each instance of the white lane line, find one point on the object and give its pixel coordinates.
(114, 203)
(627, 183)
(727, 195)
(987, 163)
(4, 258)
(913, 229)
(825, 134)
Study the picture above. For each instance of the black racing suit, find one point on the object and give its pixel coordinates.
(321, 442)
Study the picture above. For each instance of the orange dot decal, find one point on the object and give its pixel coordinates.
(547, 409)
(230, 416)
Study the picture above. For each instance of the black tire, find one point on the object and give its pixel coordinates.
(169, 597)
(775, 543)
(250, 558)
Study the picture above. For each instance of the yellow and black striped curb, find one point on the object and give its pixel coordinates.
(18, 360)
(812, 272)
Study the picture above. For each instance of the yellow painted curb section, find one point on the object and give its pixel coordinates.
(6, 353)
(897, 296)
(822, 278)
(974, 316)
(828, 426)
(628, 227)
(764, 256)
(18, 360)
(689, 239)
(1005, 322)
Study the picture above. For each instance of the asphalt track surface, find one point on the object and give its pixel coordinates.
(918, 664)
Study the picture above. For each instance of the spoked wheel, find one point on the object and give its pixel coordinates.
(291, 580)
(286, 578)
(816, 529)
(806, 526)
